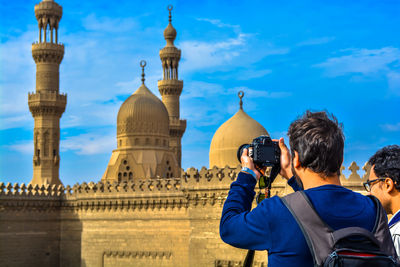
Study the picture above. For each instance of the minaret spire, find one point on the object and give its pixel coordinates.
(170, 7)
(47, 104)
(170, 87)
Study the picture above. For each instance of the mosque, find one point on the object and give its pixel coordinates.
(146, 210)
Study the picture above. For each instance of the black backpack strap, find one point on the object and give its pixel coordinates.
(317, 233)
(381, 230)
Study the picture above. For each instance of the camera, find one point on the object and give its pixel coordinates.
(263, 151)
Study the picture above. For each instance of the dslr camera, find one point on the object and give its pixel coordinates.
(263, 151)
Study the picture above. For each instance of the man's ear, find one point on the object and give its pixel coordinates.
(389, 185)
(296, 160)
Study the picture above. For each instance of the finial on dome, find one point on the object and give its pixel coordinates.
(143, 64)
(241, 95)
(169, 8)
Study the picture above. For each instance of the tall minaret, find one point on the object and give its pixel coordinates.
(171, 88)
(47, 104)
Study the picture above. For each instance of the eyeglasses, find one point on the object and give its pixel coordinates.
(263, 183)
(368, 184)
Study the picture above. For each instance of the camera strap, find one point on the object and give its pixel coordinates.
(248, 261)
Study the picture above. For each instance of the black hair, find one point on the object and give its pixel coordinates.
(387, 163)
(318, 139)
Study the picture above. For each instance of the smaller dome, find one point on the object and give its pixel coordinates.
(239, 129)
(170, 33)
(143, 113)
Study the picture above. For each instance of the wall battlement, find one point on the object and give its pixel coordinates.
(192, 179)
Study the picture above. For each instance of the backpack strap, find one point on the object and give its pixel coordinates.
(318, 234)
(354, 231)
(381, 230)
(321, 238)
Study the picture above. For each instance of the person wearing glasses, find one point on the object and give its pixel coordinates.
(313, 164)
(384, 183)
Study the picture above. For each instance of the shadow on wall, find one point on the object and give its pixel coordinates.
(70, 238)
(33, 231)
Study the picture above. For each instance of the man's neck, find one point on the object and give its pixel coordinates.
(312, 179)
(395, 203)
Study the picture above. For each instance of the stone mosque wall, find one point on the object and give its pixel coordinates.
(153, 222)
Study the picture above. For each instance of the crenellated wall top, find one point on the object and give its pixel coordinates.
(142, 187)
(192, 179)
(22, 190)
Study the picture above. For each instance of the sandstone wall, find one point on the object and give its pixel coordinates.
(165, 222)
(29, 226)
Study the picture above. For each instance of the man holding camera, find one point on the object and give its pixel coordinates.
(313, 164)
(384, 183)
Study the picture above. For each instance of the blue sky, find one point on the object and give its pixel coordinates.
(288, 56)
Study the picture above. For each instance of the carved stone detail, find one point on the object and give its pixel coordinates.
(47, 52)
(139, 254)
(227, 263)
(204, 187)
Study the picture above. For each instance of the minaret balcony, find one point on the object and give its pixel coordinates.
(176, 122)
(47, 47)
(170, 87)
(47, 52)
(170, 52)
(177, 127)
(50, 98)
(48, 95)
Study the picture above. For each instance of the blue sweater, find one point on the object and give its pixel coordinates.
(270, 226)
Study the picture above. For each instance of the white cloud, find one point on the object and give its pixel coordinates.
(129, 87)
(17, 78)
(251, 74)
(394, 82)
(202, 89)
(391, 127)
(251, 93)
(24, 147)
(107, 24)
(9, 122)
(202, 103)
(364, 61)
(316, 41)
(207, 55)
(219, 23)
(89, 144)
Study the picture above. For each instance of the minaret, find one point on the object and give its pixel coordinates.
(171, 88)
(47, 104)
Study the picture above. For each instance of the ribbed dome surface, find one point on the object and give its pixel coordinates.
(238, 130)
(170, 33)
(143, 113)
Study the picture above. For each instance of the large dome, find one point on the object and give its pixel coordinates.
(238, 130)
(143, 140)
(143, 113)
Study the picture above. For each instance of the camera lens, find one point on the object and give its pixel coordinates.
(240, 151)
